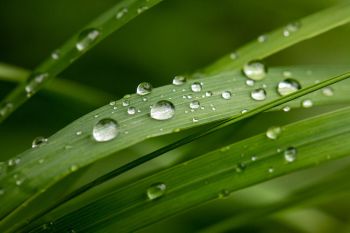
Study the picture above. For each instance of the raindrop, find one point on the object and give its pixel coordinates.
(290, 154)
(34, 82)
(258, 94)
(179, 80)
(2, 191)
(55, 55)
(13, 162)
(112, 103)
(307, 103)
(162, 110)
(195, 104)
(86, 38)
(287, 74)
(131, 110)
(208, 93)
(240, 167)
(144, 88)
(286, 109)
(226, 95)
(250, 82)
(271, 170)
(156, 191)
(288, 86)
(196, 87)
(244, 111)
(121, 13)
(234, 56)
(78, 133)
(273, 132)
(142, 9)
(105, 130)
(255, 70)
(262, 38)
(327, 91)
(125, 103)
(291, 28)
(195, 119)
(73, 168)
(224, 193)
(5, 109)
(39, 141)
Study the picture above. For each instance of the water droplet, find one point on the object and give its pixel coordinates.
(2, 191)
(144, 88)
(327, 91)
(112, 103)
(5, 109)
(121, 13)
(254, 158)
(105, 130)
(240, 167)
(271, 170)
(125, 103)
(262, 38)
(273, 132)
(286, 108)
(288, 86)
(73, 168)
(156, 191)
(249, 82)
(234, 56)
(307, 103)
(196, 87)
(195, 119)
(39, 141)
(19, 179)
(244, 111)
(55, 55)
(208, 93)
(287, 74)
(142, 9)
(255, 70)
(290, 154)
(258, 94)
(13, 162)
(131, 110)
(78, 133)
(86, 38)
(224, 193)
(195, 104)
(162, 110)
(291, 28)
(34, 82)
(179, 80)
(226, 95)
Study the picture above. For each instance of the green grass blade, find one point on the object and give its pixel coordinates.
(105, 24)
(315, 193)
(203, 179)
(61, 87)
(310, 26)
(57, 160)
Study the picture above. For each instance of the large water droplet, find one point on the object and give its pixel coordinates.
(34, 82)
(196, 87)
(179, 80)
(288, 86)
(38, 141)
(226, 95)
(291, 28)
(290, 154)
(258, 94)
(195, 104)
(131, 110)
(273, 132)
(162, 110)
(144, 88)
(255, 70)
(156, 191)
(105, 130)
(86, 38)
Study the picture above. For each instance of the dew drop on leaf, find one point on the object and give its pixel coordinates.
(55, 55)
(291, 28)
(195, 104)
(144, 88)
(39, 141)
(327, 91)
(273, 132)
(5, 109)
(105, 130)
(288, 86)
(258, 94)
(307, 103)
(196, 87)
(162, 110)
(121, 13)
(131, 110)
(208, 93)
(156, 191)
(179, 80)
(86, 38)
(286, 109)
(262, 38)
(255, 70)
(249, 82)
(234, 56)
(226, 95)
(290, 154)
(34, 82)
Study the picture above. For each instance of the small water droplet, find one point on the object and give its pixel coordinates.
(55, 55)
(78, 133)
(254, 158)
(73, 168)
(144, 88)
(255, 70)
(162, 110)
(287, 74)
(2, 191)
(195, 104)
(307, 103)
(121, 13)
(224, 193)
(196, 87)
(271, 170)
(34, 82)
(240, 167)
(288, 86)
(286, 109)
(125, 103)
(234, 56)
(290, 154)
(156, 191)
(244, 111)
(273, 132)
(13, 162)
(86, 38)
(105, 130)
(5, 109)
(39, 141)
(131, 110)
(195, 119)
(226, 95)
(208, 93)
(179, 80)
(142, 9)
(262, 38)
(291, 28)
(327, 91)
(258, 94)
(250, 82)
